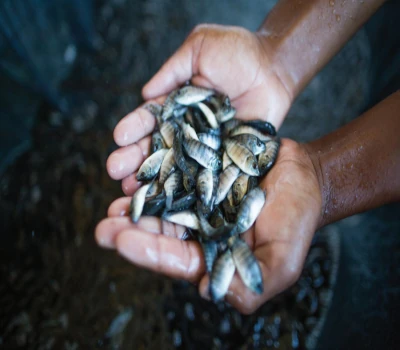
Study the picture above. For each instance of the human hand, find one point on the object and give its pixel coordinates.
(231, 60)
(280, 237)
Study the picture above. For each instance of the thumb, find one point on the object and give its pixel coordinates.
(180, 67)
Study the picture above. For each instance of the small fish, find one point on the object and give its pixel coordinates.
(230, 211)
(208, 232)
(210, 252)
(156, 110)
(216, 218)
(171, 186)
(239, 188)
(242, 157)
(209, 114)
(185, 218)
(253, 143)
(225, 114)
(189, 117)
(253, 183)
(262, 126)
(267, 159)
(137, 202)
(189, 183)
(151, 166)
(167, 131)
(229, 126)
(249, 209)
(154, 206)
(154, 189)
(184, 202)
(169, 106)
(245, 129)
(226, 180)
(168, 166)
(213, 141)
(157, 142)
(221, 276)
(188, 131)
(226, 161)
(246, 264)
(189, 95)
(204, 186)
(204, 155)
(180, 158)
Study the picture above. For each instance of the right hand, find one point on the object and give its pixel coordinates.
(231, 60)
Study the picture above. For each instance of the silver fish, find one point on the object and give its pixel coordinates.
(229, 126)
(209, 114)
(171, 186)
(226, 180)
(244, 129)
(242, 157)
(184, 202)
(204, 186)
(247, 265)
(204, 155)
(210, 252)
(239, 188)
(188, 131)
(226, 161)
(154, 189)
(150, 167)
(213, 141)
(267, 159)
(221, 276)
(167, 131)
(137, 202)
(225, 114)
(189, 95)
(208, 232)
(167, 166)
(253, 143)
(185, 218)
(157, 142)
(249, 209)
(169, 105)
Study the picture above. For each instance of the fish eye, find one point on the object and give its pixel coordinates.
(142, 174)
(258, 143)
(254, 165)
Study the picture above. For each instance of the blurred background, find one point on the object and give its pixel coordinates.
(69, 71)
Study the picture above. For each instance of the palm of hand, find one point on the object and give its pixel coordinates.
(280, 237)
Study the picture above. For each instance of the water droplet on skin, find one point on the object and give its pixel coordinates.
(337, 18)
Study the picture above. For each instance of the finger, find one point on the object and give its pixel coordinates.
(108, 229)
(124, 161)
(134, 126)
(130, 184)
(120, 207)
(166, 255)
(180, 67)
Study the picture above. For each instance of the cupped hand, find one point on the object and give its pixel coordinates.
(231, 60)
(280, 237)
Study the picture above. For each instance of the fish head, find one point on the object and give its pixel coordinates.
(252, 166)
(260, 146)
(142, 175)
(215, 163)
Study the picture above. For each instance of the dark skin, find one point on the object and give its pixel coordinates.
(349, 171)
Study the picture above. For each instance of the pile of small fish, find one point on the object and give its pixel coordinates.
(203, 173)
